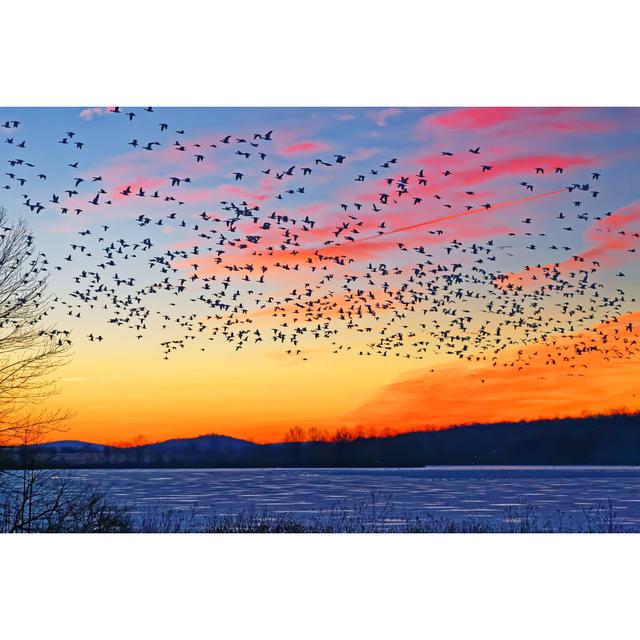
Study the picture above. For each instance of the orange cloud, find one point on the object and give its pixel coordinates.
(293, 258)
(590, 372)
(341, 306)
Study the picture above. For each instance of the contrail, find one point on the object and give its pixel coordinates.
(425, 223)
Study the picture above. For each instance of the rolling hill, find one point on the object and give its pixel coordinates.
(598, 440)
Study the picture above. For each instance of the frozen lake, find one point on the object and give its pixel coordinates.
(454, 493)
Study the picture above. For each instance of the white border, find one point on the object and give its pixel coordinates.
(276, 53)
(291, 53)
(315, 586)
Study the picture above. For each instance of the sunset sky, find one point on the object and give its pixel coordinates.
(361, 294)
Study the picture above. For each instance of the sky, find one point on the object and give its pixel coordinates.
(255, 270)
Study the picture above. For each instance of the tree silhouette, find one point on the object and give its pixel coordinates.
(30, 352)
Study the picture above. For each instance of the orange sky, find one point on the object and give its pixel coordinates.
(237, 298)
(261, 394)
(543, 381)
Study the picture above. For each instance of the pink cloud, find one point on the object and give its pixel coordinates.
(90, 112)
(466, 172)
(302, 148)
(136, 184)
(363, 153)
(380, 116)
(613, 236)
(610, 241)
(522, 166)
(509, 120)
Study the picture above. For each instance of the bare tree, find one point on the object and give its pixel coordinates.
(295, 434)
(30, 352)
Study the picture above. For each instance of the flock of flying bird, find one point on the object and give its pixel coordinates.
(258, 273)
